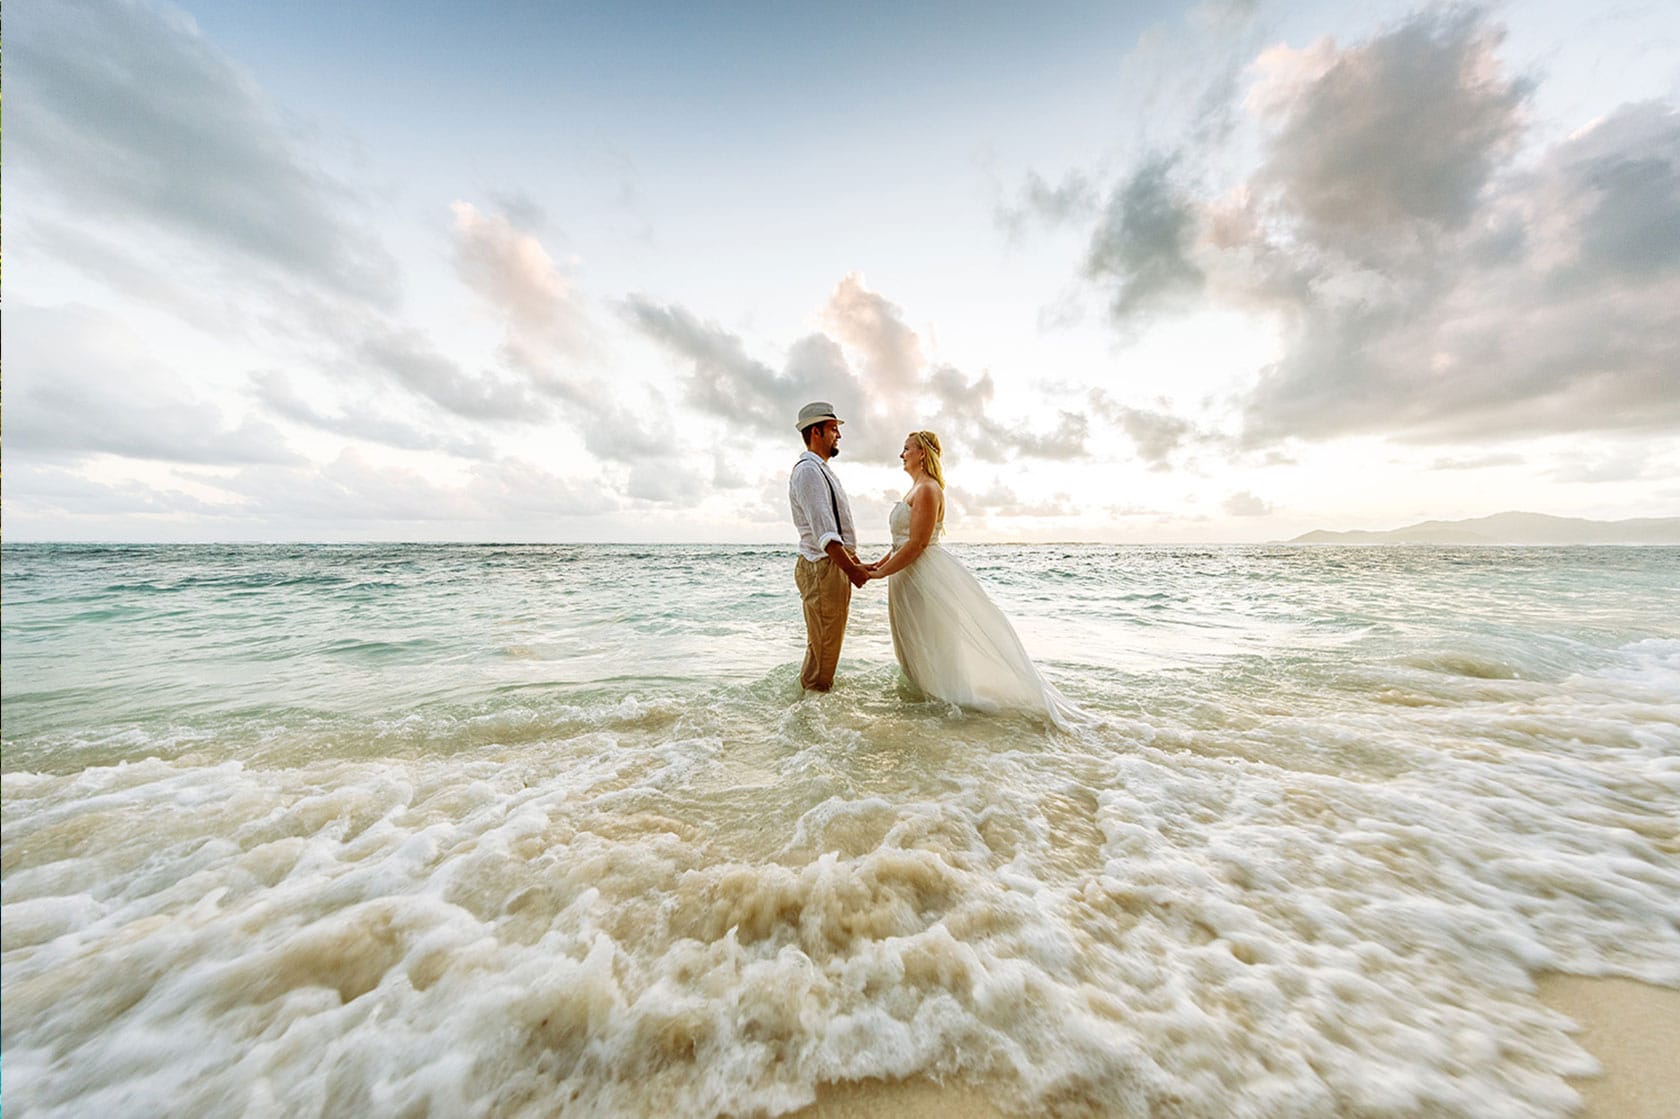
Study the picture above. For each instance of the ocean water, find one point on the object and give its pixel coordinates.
(537, 831)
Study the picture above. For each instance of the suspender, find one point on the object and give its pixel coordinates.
(833, 500)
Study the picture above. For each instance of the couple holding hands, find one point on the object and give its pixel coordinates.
(951, 641)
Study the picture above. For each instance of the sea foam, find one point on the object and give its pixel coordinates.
(1312, 883)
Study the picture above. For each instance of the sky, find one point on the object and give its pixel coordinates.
(1154, 272)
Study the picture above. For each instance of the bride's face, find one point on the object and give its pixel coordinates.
(912, 455)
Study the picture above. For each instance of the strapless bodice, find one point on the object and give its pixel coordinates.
(898, 523)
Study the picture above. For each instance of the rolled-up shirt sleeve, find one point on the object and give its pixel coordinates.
(812, 501)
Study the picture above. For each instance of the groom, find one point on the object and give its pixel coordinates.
(827, 568)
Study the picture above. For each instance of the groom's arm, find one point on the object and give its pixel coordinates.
(812, 493)
(855, 572)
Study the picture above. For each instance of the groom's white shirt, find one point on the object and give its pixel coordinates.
(813, 511)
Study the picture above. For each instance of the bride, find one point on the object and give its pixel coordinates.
(950, 640)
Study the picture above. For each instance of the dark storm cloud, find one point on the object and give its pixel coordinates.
(1430, 280)
(131, 116)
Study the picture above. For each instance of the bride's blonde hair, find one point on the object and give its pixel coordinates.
(930, 455)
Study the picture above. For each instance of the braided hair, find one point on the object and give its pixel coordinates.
(930, 455)
(929, 443)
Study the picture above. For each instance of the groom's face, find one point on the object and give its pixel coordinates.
(826, 442)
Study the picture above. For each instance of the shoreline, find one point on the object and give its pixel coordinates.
(919, 1097)
(1631, 1028)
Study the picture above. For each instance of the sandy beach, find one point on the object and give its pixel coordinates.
(893, 1099)
(1631, 1028)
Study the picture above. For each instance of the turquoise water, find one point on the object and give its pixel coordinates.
(496, 830)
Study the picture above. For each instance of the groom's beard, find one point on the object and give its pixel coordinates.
(835, 453)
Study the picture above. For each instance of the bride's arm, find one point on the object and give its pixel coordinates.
(924, 509)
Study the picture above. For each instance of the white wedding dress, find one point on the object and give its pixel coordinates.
(954, 644)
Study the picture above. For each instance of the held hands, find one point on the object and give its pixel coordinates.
(856, 572)
(861, 573)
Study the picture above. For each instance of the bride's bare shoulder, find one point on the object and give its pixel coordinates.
(923, 492)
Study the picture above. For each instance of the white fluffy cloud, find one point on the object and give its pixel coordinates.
(1245, 504)
(353, 488)
(79, 383)
(869, 363)
(1431, 282)
(132, 118)
(513, 274)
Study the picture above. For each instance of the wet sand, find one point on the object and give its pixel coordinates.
(900, 1099)
(1632, 1028)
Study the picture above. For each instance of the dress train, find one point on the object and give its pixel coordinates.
(953, 642)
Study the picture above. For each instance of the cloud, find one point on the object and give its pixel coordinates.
(78, 383)
(1000, 500)
(1477, 462)
(1074, 199)
(353, 491)
(350, 496)
(874, 327)
(141, 142)
(405, 357)
(521, 209)
(37, 490)
(509, 270)
(365, 418)
(621, 433)
(665, 483)
(126, 114)
(726, 473)
(1141, 247)
(1431, 279)
(1245, 504)
(1156, 435)
(869, 363)
(1397, 136)
(516, 488)
(1545, 314)
(724, 380)
(964, 410)
(1617, 464)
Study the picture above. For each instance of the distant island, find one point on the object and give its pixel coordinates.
(1513, 528)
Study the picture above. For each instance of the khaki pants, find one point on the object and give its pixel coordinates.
(828, 595)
